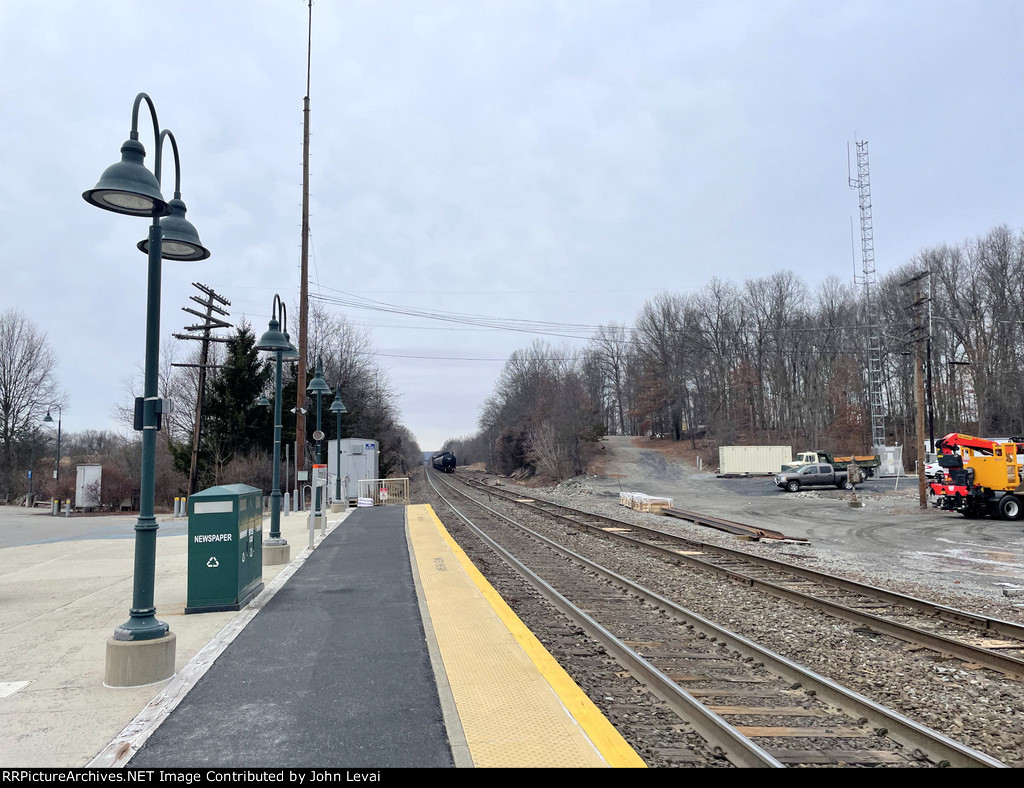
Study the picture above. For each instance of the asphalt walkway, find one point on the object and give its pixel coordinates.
(329, 673)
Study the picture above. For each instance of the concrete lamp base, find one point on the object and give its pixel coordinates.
(135, 663)
(275, 554)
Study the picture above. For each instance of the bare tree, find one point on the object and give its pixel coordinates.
(28, 386)
(612, 347)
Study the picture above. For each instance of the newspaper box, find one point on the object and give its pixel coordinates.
(225, 548)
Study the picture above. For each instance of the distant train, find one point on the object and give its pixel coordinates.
(444, 461)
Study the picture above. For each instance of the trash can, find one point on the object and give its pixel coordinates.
(225, 548)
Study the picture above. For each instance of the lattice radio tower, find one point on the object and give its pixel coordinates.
(869, 280)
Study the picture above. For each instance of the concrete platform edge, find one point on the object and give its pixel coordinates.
(453, 724)
(120, 750)
(608, 741)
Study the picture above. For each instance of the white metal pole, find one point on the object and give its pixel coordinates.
(312, 526)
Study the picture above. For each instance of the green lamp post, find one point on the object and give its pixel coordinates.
(318, 387)
(276, 341)
(56, 468)
(338, 408)
(127, 187)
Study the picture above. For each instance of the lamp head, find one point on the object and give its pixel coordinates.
(272, 339)
(180, 241)
(264, 402)
(338, 406)
(291, 355)
(318, 385)
(128, 187)
(48, 418)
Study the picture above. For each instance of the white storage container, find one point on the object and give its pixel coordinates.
(753, 459)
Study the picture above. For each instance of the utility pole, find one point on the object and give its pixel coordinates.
(300, 416)
(210, 323)
(920, 336)
(928, 376)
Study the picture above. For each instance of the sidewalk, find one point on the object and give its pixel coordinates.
(59, 602)
(334, 668)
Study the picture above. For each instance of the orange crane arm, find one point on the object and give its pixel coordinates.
(955, 439)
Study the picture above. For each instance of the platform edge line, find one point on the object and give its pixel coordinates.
(461, 753)
(609, 742)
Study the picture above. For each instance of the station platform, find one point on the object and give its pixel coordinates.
(384, 648)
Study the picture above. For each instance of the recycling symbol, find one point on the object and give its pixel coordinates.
(213, 563)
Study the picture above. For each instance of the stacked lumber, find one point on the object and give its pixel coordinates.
(644, 503)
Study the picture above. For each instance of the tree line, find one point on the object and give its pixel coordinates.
(237, 435)
(773, 360)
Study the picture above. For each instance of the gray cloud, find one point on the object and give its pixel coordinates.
(530, 150)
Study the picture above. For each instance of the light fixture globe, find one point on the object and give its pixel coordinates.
(273, 340)
(180, 239)
(48, 418)
(128, 187)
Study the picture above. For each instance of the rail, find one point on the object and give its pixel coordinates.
(749, 569)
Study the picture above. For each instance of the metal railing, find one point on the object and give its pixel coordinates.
(385, 491)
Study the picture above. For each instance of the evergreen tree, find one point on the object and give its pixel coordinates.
(235, 424)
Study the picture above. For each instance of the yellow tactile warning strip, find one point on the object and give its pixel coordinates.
(517, 706)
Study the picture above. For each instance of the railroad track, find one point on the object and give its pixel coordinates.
(977, 640)
(753, 707)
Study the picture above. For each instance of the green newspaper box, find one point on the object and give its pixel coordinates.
(225, 548)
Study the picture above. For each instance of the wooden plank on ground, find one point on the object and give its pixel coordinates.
(836, 757)
(733, 679)
(997, 644)
(780, 732)
(727, 692)
(781, 711)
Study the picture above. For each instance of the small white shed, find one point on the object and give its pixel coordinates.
(87, 486)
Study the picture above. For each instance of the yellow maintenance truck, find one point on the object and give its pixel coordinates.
(984, 477)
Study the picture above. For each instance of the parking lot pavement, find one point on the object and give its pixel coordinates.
(60, 599)
(20, 526)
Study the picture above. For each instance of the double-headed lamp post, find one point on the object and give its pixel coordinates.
(275, 340)
(338, 409)
(141, 650)
(318, 387)
(56, 468)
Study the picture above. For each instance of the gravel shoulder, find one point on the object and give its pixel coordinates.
(888, 541)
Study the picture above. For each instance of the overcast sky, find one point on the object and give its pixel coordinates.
(529, 161)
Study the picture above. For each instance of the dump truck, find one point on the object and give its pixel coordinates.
(869, 462)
